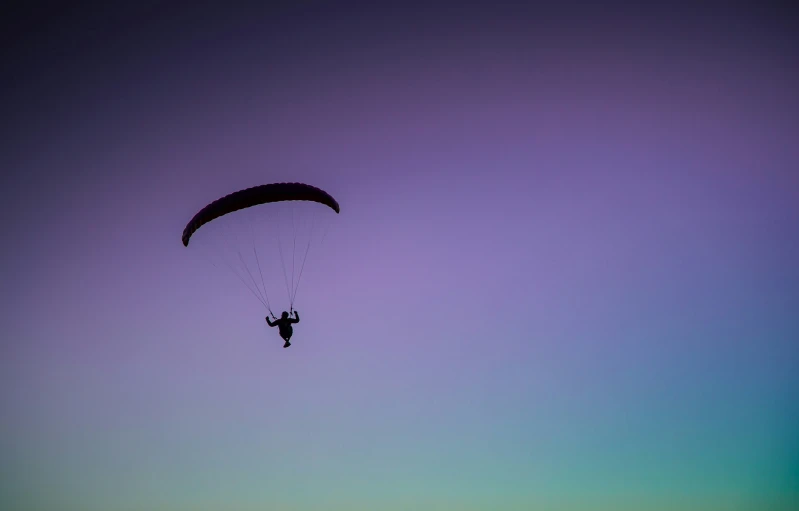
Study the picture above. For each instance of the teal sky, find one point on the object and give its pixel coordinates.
(563, 277)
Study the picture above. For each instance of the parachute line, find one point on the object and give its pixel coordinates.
(266, 295)
(293, 256)
(258, 262)
(247, 268)
(245, 283)
(220, 254)
(282, 261)
(305, 257)
(243, 263)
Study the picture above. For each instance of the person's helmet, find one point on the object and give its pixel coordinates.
(284, 315)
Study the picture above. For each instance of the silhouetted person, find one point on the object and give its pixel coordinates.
(284, 326)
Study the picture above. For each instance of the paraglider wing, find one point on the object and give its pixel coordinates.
(275, 192)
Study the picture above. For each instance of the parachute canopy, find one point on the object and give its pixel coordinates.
(260, 232)
(275, 192)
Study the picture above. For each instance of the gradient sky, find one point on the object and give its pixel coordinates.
(563, 277)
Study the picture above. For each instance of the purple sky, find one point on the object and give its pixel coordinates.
(563, 277)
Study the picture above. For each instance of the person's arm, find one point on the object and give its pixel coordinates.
(297, 320)
(269, 322)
